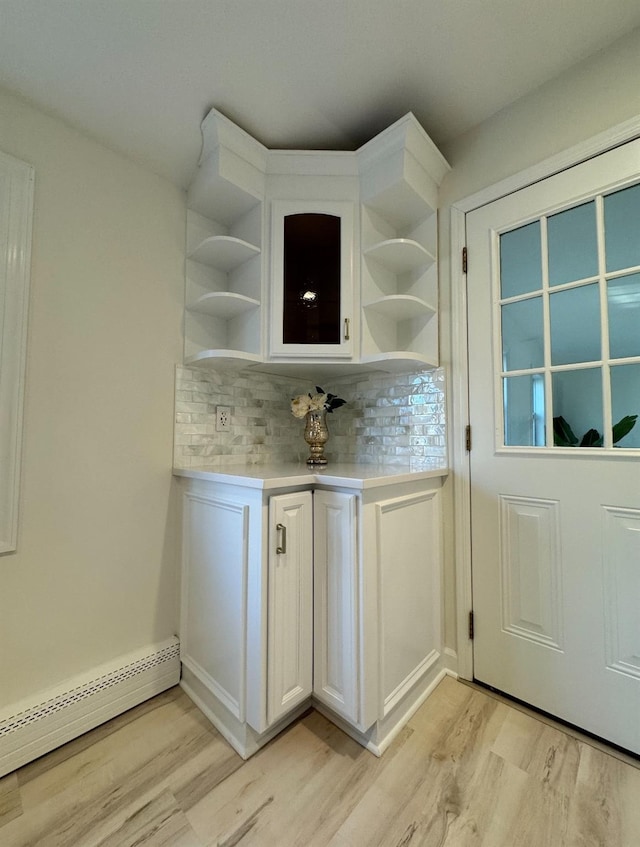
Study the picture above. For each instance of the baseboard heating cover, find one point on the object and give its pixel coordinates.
(36, 726)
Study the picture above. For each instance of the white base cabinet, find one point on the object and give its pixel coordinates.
(311, 595)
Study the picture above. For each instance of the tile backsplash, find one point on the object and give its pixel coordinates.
(389, 419)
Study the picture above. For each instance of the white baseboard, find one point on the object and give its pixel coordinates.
(40, 724)
(450, 659)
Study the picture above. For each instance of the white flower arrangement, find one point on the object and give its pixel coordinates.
(304, 403)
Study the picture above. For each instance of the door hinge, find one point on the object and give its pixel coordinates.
(471, 626)
(467, 438)
(465, 260)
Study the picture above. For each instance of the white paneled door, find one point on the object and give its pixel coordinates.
(554, 371)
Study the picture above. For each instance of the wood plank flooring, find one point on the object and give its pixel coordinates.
(467, 771)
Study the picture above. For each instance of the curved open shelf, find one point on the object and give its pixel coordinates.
(223, 304)
(399, 307)
(399, 361)
(224, 252)
(223, 358)
(400, 255)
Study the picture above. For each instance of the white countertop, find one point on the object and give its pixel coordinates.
(359, 476)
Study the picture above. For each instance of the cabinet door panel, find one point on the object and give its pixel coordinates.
(214, 597)
(336, 603)
(290, 627)
(407, 530)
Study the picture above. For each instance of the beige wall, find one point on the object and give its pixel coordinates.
(95, 572)
(592, 97)
(589, 99)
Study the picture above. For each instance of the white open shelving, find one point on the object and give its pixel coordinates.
(223, 304)
(224, 272)
(224, 252)
(400, 255)
(400, 307)
(400, 173)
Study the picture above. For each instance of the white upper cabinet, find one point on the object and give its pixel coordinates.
(312, 307)
(301, 258)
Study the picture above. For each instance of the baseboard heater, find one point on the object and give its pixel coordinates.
(40, 724)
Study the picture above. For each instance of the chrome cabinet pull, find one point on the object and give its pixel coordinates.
(346, 329)
(283, 539)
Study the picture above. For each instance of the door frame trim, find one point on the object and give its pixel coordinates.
(460, 460)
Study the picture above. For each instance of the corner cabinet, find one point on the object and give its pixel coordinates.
(310, 595)
(313, 257)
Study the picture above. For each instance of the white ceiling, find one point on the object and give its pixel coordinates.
(141, 74)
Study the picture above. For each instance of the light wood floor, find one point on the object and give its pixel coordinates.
(467, 770)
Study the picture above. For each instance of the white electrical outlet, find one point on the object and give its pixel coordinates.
(223, 418)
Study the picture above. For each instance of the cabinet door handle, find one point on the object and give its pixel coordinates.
(346, 329)
(283, 540)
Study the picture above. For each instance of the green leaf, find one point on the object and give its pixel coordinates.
(591, 438)
(623, 427)
(563, 435)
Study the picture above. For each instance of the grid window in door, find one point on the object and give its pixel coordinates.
(569, 318)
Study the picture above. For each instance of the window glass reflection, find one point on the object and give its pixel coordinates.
(311, 279)
(625, 401)
(622, 228)
(575, 325)
(523, 398)
(577, 408)
(572, 244)
(522, 335)
(623, 297)
(520, 261)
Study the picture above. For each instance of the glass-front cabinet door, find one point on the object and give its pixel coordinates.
(312, 288)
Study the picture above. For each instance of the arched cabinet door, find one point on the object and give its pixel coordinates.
(312, 307)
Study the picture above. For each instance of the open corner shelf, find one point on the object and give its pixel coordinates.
(224, 252)
(229, 359)
(223, 304)
(399, 307)
(400, 255)
(400, 361)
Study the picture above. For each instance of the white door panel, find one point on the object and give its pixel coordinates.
(555, 529)
(290, 629)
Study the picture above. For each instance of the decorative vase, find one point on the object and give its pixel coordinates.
(316, 435)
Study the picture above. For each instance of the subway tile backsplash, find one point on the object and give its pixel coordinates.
(388, 419)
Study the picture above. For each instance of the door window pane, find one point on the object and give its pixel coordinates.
(522, 335)
(523, 398)
(623, 296)
(575, 325)
(520, 261)
(622, 228)
(572, 244)
(577, 399)
(625, 400)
